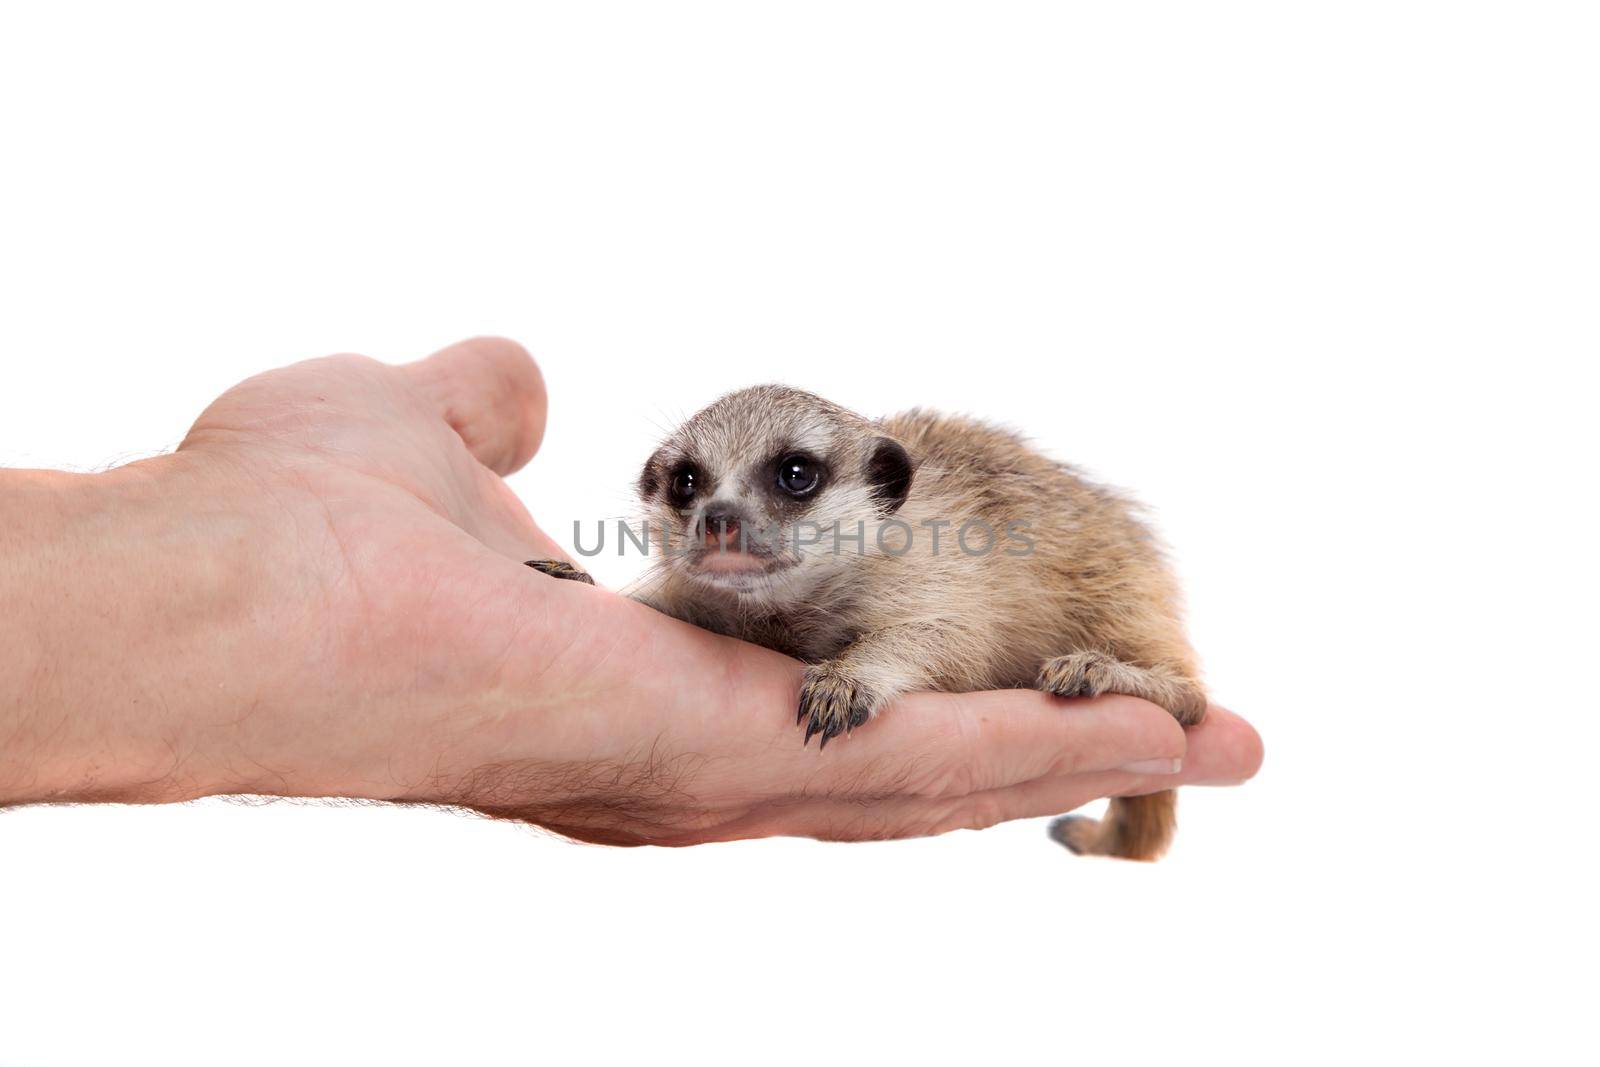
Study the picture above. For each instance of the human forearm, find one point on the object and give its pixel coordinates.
(116, 612)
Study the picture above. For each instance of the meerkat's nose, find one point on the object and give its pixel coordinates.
(720, 527)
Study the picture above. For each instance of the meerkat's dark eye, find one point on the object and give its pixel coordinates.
(798, 475)
(685, 482)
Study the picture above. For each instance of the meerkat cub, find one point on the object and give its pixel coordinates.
(920, 551)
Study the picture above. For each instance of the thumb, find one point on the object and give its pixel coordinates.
(491, 393)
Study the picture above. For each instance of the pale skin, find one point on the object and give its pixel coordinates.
(321, 593)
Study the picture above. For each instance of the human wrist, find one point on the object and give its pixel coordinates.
(117, 599)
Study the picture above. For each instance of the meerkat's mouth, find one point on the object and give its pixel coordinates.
(737, 569)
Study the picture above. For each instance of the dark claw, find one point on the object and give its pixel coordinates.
(557, 568)
(830, 707)
(836, 725)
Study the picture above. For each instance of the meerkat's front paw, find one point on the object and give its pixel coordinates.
(833, 700)
(558, 568)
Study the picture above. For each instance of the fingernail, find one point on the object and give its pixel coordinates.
(1153, 766)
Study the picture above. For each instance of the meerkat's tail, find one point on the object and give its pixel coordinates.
(1135, 828)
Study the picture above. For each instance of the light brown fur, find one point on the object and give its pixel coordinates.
(1092, 608)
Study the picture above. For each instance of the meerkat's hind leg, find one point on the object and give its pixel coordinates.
(1089, 674)
(1137, 827)
(559, 568)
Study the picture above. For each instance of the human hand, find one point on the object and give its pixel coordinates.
(321, 593)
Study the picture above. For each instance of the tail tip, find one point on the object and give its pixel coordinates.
(1075, 832)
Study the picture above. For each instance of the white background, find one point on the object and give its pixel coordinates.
(1318, 282)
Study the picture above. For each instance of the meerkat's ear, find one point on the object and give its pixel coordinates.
(650, 477)
(889, 473)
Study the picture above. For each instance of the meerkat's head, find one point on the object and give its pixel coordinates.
(752, 489)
